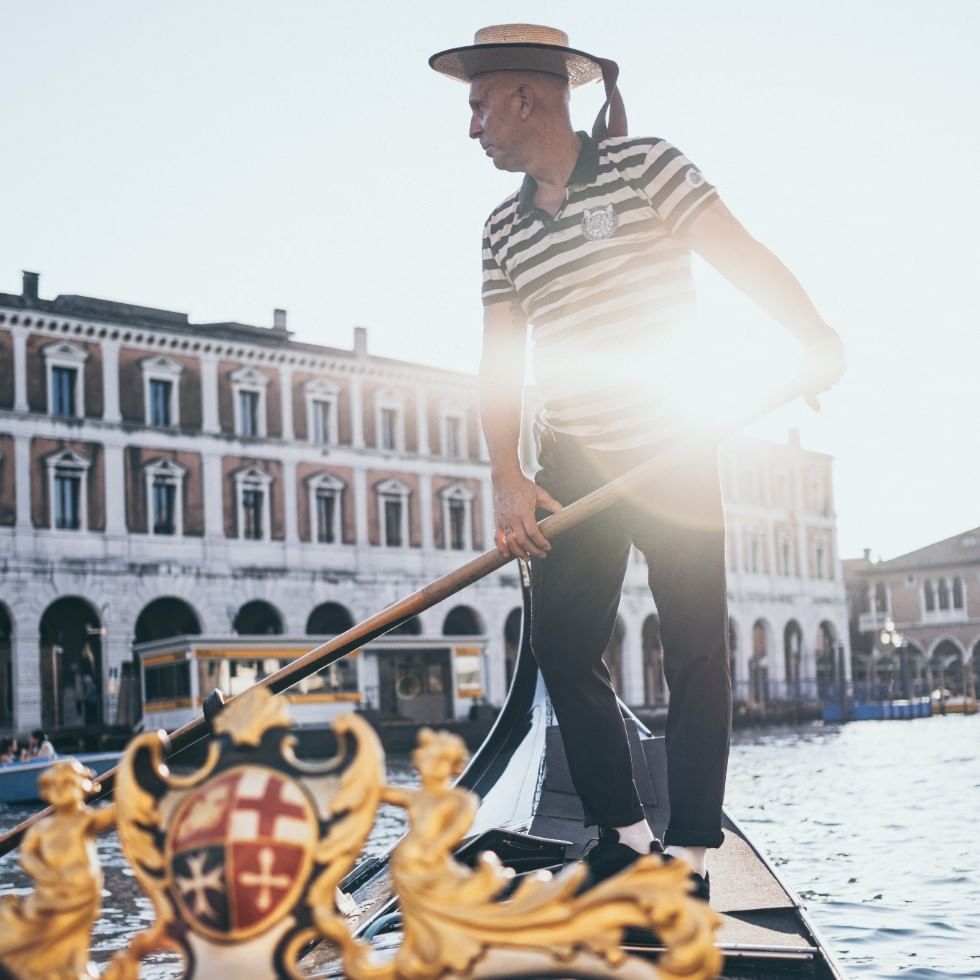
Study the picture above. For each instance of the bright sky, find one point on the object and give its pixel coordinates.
(226, 158)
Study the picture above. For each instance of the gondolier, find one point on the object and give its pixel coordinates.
(593, 255)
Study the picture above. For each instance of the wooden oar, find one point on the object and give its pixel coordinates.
(669, 452)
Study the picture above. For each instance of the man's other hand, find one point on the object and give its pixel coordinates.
(821, 366)
(516, 531)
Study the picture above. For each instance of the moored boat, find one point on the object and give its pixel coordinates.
(19, 780)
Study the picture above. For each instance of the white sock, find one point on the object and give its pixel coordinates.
(694, 856)
(637, 835)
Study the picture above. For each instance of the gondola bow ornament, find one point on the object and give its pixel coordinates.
(242, 859)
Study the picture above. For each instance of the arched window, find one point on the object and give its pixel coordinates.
(258, 618)
(957, 593)
(329, 619)
(462, 621)
(165, 617)
(943, 594)
(881, 597)
(930, 595)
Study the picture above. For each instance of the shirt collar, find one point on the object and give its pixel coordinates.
(584, 172)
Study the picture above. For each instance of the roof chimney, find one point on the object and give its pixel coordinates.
(867, 554)
(29, 288)
(794, 437)
(360, 341)
(279, 320)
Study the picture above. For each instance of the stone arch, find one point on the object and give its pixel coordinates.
(513, 627)
(258, 618)
(462, 621)
(946, 660)
(329, 619)
(759, 662)
(411, 627)
(654, 682)
(613, 655)
(826, 660)
(70, 652)
(6, 667)
(792, 657)
(166, 616)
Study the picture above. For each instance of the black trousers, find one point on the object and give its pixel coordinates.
(677, 523)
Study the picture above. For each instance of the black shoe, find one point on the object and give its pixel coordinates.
(701, 885)
(608, 856)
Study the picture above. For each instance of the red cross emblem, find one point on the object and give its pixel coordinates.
(240, 849)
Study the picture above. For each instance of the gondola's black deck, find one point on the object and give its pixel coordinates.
(760, 917)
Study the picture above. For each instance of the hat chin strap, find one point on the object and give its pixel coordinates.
(615, 125)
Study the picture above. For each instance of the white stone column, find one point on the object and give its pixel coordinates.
(110, 381)
(771, 547)
(425, 507)
(486, 495)
(22, 478)
(286, 401)
(422, 421)
(115, 490)
(356, 414)
(289, 501)
(214, 493)
(361, 504)
(26, 665)
(633, 659)
(20, 368)
(209, 394)
(803, 557)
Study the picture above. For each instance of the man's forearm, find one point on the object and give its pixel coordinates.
(763, 277)
(500, 415)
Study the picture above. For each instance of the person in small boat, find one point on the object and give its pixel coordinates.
(592, 254)
(38, 746)
(8, 751)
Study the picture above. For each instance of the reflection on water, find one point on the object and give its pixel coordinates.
(873, 824)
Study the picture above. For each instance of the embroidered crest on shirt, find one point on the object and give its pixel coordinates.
(694, 177)
(599, 223)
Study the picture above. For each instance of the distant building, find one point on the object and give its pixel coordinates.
(931, 598)
(160, 477)
(787, 608)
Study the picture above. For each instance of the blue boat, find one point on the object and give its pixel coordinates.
(18, 780)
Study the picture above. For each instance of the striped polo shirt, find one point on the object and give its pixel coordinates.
(605, 286)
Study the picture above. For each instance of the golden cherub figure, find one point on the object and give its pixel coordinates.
(47, 934)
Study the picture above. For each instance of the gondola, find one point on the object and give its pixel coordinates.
(528, 813)
(531, 817)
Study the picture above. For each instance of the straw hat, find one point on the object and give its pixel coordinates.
(518, 47)
(530, 47)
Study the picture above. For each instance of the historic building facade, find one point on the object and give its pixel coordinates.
(924, 605)
(159, 476)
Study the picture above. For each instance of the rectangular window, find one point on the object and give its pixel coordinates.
(67, 501)
(393, 522)
(321, 422)
(389, 428)
(248, 413)
(457, 525)
(160, 392)
(164, 507)
(63, 381)
(252, 514)
(454, 437)
(326, 511)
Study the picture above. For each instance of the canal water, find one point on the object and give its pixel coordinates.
(875, 824)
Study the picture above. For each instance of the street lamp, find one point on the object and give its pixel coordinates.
(890, 637)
